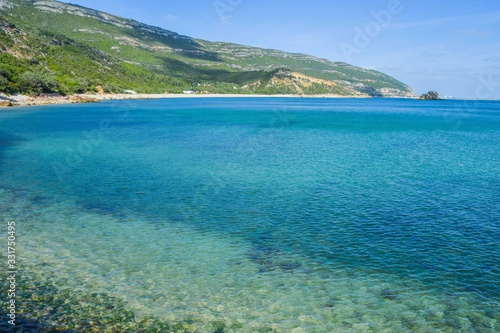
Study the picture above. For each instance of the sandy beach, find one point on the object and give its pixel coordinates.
(53, 99)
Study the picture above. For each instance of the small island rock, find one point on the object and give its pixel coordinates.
(431, 96)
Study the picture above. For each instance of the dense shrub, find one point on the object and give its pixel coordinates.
(37, 83)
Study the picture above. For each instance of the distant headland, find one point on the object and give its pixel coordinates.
(53, 47)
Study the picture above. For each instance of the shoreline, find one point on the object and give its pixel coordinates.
(24, 100)
(7, 102)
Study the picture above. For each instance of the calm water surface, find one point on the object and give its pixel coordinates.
(292, 215)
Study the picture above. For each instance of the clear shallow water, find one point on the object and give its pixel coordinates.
(300, 215)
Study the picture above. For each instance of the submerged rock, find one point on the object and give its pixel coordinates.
(289, 266)
(388, 294)
(332, 302)
(266, 268)
(262, 254)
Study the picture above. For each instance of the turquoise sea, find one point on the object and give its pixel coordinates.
(255, 214)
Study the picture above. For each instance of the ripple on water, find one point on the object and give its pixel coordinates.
(359, 221)
(179, 275)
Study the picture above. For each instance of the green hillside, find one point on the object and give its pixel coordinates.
(49, 46)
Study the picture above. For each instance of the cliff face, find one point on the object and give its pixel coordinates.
(217, 66)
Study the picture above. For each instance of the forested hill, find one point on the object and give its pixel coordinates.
(49, 46)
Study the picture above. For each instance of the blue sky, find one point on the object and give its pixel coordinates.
(449, 46)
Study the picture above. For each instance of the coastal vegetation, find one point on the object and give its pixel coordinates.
(35, 62)
(54, 47)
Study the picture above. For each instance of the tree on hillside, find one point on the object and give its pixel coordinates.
(37, 83)
(4, 84)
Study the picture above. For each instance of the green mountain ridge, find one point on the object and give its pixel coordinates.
(67, 48)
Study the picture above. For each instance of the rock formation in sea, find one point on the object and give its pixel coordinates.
(431, 95)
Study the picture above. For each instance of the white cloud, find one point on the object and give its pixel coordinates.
(484, 18)
(171, 17)
(493, 59)
(473, 33)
